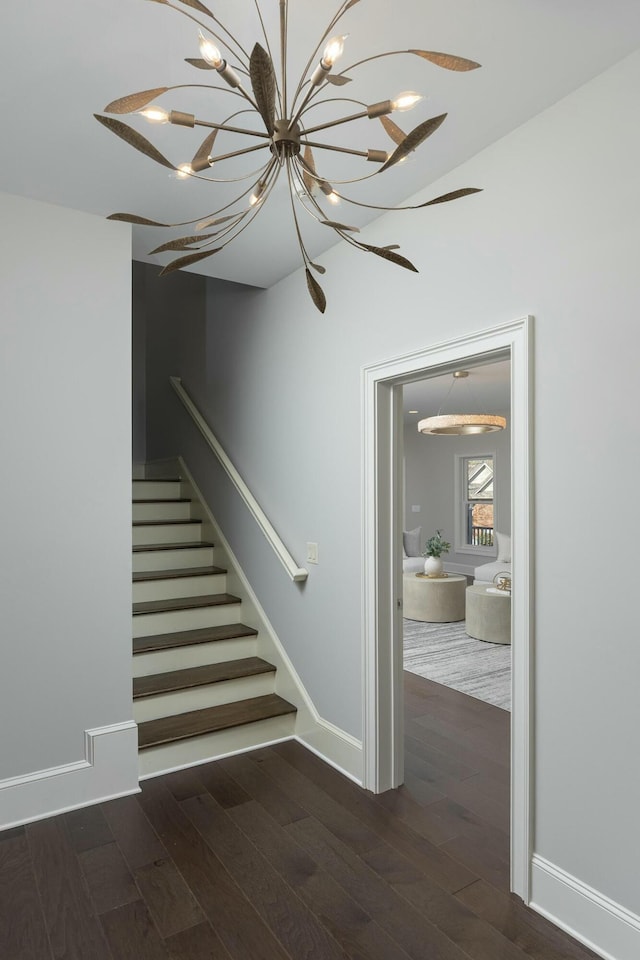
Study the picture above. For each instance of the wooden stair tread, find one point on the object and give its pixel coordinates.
(199, 676)
(163, 500)
(162, 523)
(184, 603)
(154, 547)
(149, 575)
(153, 733)
(184, 638)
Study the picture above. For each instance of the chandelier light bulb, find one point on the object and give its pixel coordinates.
(333, 51)
(329, 192)
(184, 170)
(155, 114)
(210, 52)
(405, 101)
(257, 195)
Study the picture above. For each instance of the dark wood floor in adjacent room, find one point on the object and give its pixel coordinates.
(274, 856)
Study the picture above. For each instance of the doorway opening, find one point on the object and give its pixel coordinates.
(383, 727)
(457, 505)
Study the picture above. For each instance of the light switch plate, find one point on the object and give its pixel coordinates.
(415, 509)
(312, 553)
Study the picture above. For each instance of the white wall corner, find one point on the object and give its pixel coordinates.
(109, 770)
(330, 743)
(592, 918)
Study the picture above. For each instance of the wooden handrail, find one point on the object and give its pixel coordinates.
(295, 572)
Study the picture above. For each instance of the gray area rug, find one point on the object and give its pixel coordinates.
(444, 653)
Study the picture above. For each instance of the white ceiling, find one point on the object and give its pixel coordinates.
(62, 61)
(485, 390)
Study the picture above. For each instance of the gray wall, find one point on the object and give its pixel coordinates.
(554, 234)
(430, 465)
(138, 366)
(65, 510)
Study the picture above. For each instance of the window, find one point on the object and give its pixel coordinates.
(476, 527)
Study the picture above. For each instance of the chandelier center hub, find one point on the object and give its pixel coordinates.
(285, 141)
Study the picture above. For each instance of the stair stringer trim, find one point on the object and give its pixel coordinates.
(337, 747)
(108, 770)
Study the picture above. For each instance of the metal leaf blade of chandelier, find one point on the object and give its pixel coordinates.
(285, 132)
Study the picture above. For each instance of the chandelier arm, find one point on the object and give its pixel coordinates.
(306, 195)
(237, 153)
(246, 176)
(283, 52)
(302, 106)
(255, 210)
(315, 175)
(264, 172)
(305, 255)
(223, 126)
(342, 9)
(335, 123)
(367, 176)
(199, 86)
(373, 206)
(320, 103)
(224, 231)
(377, 56)
(225, 43)
(243, 93)
(267, 44)
(329, 146)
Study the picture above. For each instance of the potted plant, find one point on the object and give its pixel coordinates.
(433, 551)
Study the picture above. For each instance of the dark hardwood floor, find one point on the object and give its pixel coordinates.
(273, 855)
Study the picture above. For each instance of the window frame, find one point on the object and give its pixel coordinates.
(461, 504)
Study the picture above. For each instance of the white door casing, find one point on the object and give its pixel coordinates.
(383, 748)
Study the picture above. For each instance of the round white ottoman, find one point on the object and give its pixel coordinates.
(488, 615)
(433, 600)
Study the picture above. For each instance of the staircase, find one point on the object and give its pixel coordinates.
(200, 690)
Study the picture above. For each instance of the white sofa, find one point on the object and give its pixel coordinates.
(413, 564)
(412, 559)
(487, 571)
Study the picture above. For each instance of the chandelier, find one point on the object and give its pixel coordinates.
(285, 131)
(460, 424)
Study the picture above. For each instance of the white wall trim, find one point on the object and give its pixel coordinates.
(336, 746)
(109, 770)
(381, 589)
(591, 917)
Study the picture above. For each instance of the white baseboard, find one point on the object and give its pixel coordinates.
(330, 743)
(109, 770)
(592, 918)
(337, 748)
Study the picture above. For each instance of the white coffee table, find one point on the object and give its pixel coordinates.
(488, 614)
(433, 600)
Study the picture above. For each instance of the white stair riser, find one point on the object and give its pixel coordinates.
(194, 655)
(196, 698)
(165, 490)
(179, 587)
(169, 510)
(171, 533)
(150, 624)
(157, 760)
(172, 559)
